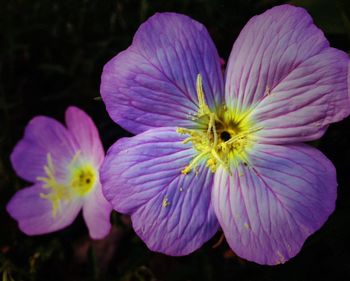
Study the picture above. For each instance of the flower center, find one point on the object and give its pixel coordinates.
(225, 136)
(221, 137)
(82, 179)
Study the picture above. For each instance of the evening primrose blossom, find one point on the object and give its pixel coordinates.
(213, 151)
(63, 165)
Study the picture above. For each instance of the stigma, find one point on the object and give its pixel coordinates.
(220, 137)
(78, 181)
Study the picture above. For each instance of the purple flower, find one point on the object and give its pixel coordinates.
(63, 164)
(214, 151)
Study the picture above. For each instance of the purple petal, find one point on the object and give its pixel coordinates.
(170, 211)
(312, 96)
(34, 213)
(153, 82)
(282, 67)
(268, 48)
(268, 208)
(81, 126)
(96, 212)
(43, 135)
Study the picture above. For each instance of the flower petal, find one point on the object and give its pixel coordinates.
(34, 213)
(81, 126)
(170, 211)
(312, 96)
(282, 68)
(96, 212)
(43, 136)
(153, 82)
(268, 48)
(268, 208)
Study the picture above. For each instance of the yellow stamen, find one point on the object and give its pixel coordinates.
(203, 108)
(58, 191)
(80, 182)
(74, 160)
(194, 162)
(222, 136)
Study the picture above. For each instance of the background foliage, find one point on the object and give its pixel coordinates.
(51, 56)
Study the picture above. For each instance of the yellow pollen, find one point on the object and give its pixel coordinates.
(82, 179)
(165, 202)
(221, 137)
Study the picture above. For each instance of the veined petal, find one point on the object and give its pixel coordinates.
(81, 126)
(34, 213)
(268, 48)
(170, 211)
(304, 103)
(97, 211)
(153, 82)
(43, 136)
(282, 63)
(268, 208)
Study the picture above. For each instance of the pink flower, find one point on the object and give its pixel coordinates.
(63, 165)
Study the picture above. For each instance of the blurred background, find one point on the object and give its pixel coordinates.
(51, 56)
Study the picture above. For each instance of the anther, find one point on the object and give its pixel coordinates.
(203, 108)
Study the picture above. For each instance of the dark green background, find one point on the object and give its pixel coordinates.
(51, 56)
